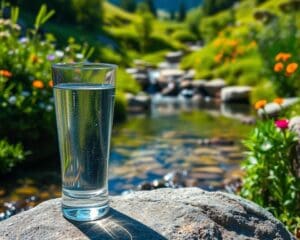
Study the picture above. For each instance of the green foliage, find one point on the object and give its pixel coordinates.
(263, 90)
(276, 37)
(143, 29)
(151, 6)
(26, 99)
(211, 26)
(193, 20)
(271, 173)
(88, 13)
(182, 12)
(213, 6)
(184, 36)
(10, 155)
(128, 5)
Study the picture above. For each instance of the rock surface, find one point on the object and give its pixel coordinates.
(236, 94)
(273, 109)
(187, 213)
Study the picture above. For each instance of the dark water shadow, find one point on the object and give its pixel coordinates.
(117, 226)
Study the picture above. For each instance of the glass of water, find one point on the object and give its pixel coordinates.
(84, 102)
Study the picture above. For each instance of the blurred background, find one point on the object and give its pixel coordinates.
(190, 72)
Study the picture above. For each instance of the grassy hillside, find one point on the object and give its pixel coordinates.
(242, 43)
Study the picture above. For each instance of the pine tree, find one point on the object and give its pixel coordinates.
(128, 5)
(151, 6)
(182, 12)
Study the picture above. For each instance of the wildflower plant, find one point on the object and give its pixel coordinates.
(285, 70)
(26, 102)
(272, 176)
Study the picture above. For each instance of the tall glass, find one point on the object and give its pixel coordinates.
(84, 102)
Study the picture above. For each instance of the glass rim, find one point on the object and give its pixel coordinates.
(84, 66)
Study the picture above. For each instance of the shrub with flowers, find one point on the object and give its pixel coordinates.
(26, 102)
(272, 176)
(286, 72)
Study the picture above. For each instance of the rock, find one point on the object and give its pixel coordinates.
(240, 94)
(174, 57)
(189, 75)
(294, 125)
(171, 74)
(188, 213)
(213, 87)
(273, 109)
(138, 103)
(142, 79)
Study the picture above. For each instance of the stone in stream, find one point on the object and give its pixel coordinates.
(240, 94)
(176, 214)
(171, 75)
(142, 79)
(273, 109)
(174, 57)
(213, 87)
(138, 103)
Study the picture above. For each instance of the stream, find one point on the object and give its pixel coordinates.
(176, 144)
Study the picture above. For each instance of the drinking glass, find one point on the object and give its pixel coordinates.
(84, 102)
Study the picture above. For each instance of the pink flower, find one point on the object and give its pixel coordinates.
(282, 123)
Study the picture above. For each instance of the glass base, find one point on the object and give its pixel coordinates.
(83, 214)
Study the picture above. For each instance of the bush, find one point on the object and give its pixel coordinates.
(184, 36)
(263, 90)
(279, 46)
(211, 26)
(193, 20)
(26, 109)
(10, 155)
(272, 178)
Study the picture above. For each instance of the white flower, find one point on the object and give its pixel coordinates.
(49, 108)
(59, 53)
(79, 55)
(23, 40)
(12, 100)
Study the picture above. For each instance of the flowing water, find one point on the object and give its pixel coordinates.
(181, 144)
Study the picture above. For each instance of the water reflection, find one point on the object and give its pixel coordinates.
(117, 226)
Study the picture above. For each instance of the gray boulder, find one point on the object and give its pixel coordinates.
(273, 109)
(187, 213)
(174, 57)
(138, 103)
(213, 87)
(236, 94)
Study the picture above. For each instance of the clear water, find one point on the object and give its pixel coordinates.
(84, 115)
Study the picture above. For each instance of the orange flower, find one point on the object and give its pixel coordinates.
(232, 43)
(278, 101)
(34, 58)
(50, 83)
(282, 56)
(278, 67)
(291, 68)
(38, 84)
(260, 104)
(218, 57)
(5, 73)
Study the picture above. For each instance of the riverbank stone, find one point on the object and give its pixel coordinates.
(240, 94)
(188, 213)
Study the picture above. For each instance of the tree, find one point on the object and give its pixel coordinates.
(128, 5)
(151, 6)
(193, 20)
(182, 12)
(88, 13)
(144, 28)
